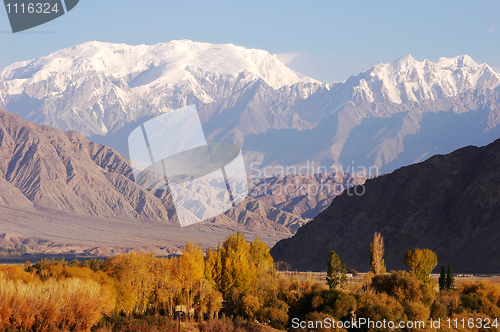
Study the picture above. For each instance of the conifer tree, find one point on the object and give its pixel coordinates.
(450, 278)
(443, 284)
(337, 273)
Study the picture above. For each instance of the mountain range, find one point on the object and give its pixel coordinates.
(388, 116)
(297, 135)
(448, 203)
(60, 178)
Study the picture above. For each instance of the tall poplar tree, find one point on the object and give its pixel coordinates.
(377, 250)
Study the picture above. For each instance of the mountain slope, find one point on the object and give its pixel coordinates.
(64, 171)
(42, 167)
(449, 203)
(392, 115)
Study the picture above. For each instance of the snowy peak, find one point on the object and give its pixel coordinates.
(456, 62)
(407, 80)
(97, 87)
(161, 64)
(404, 62)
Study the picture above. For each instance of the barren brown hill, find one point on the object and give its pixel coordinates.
(41, 166)
(448, 203)
(45, 169)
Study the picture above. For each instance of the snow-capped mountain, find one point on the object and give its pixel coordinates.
(390, 115)
(95, 87)
(407, 80)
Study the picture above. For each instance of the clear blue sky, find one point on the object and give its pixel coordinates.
(327, 40)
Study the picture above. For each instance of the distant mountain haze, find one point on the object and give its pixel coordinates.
(388, 116)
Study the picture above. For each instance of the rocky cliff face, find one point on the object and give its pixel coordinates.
(449, 203)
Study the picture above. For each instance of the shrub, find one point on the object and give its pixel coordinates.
(71, 304)
(403, 287)
(481, 298)
(484, 289)
(416, 311)
(438, 310)
(226, 325)
(450, 300)
(319, 319)
(282, 266)
(378, 307)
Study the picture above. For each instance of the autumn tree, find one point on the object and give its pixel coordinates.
(165, 288)
(189, 270)
(404, 287)
(208, 299)
(259, 252)
(379, 307)
(377, 263)
(135, 281)
(421, 262)
(237, 266)
(337, 274)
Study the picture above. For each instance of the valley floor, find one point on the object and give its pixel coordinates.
(58, 232)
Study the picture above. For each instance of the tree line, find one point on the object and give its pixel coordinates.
(400, 295)
(237, 276)
(237, 280)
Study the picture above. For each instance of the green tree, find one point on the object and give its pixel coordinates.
(421, 262)
(377, 250)
(450, 278)
(337, 274)
(442, 279)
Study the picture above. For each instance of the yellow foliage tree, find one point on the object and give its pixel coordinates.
(135, 281)
(238, 268)
(376, 254)
(261, 257)
(421, 262)
(189, 269)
